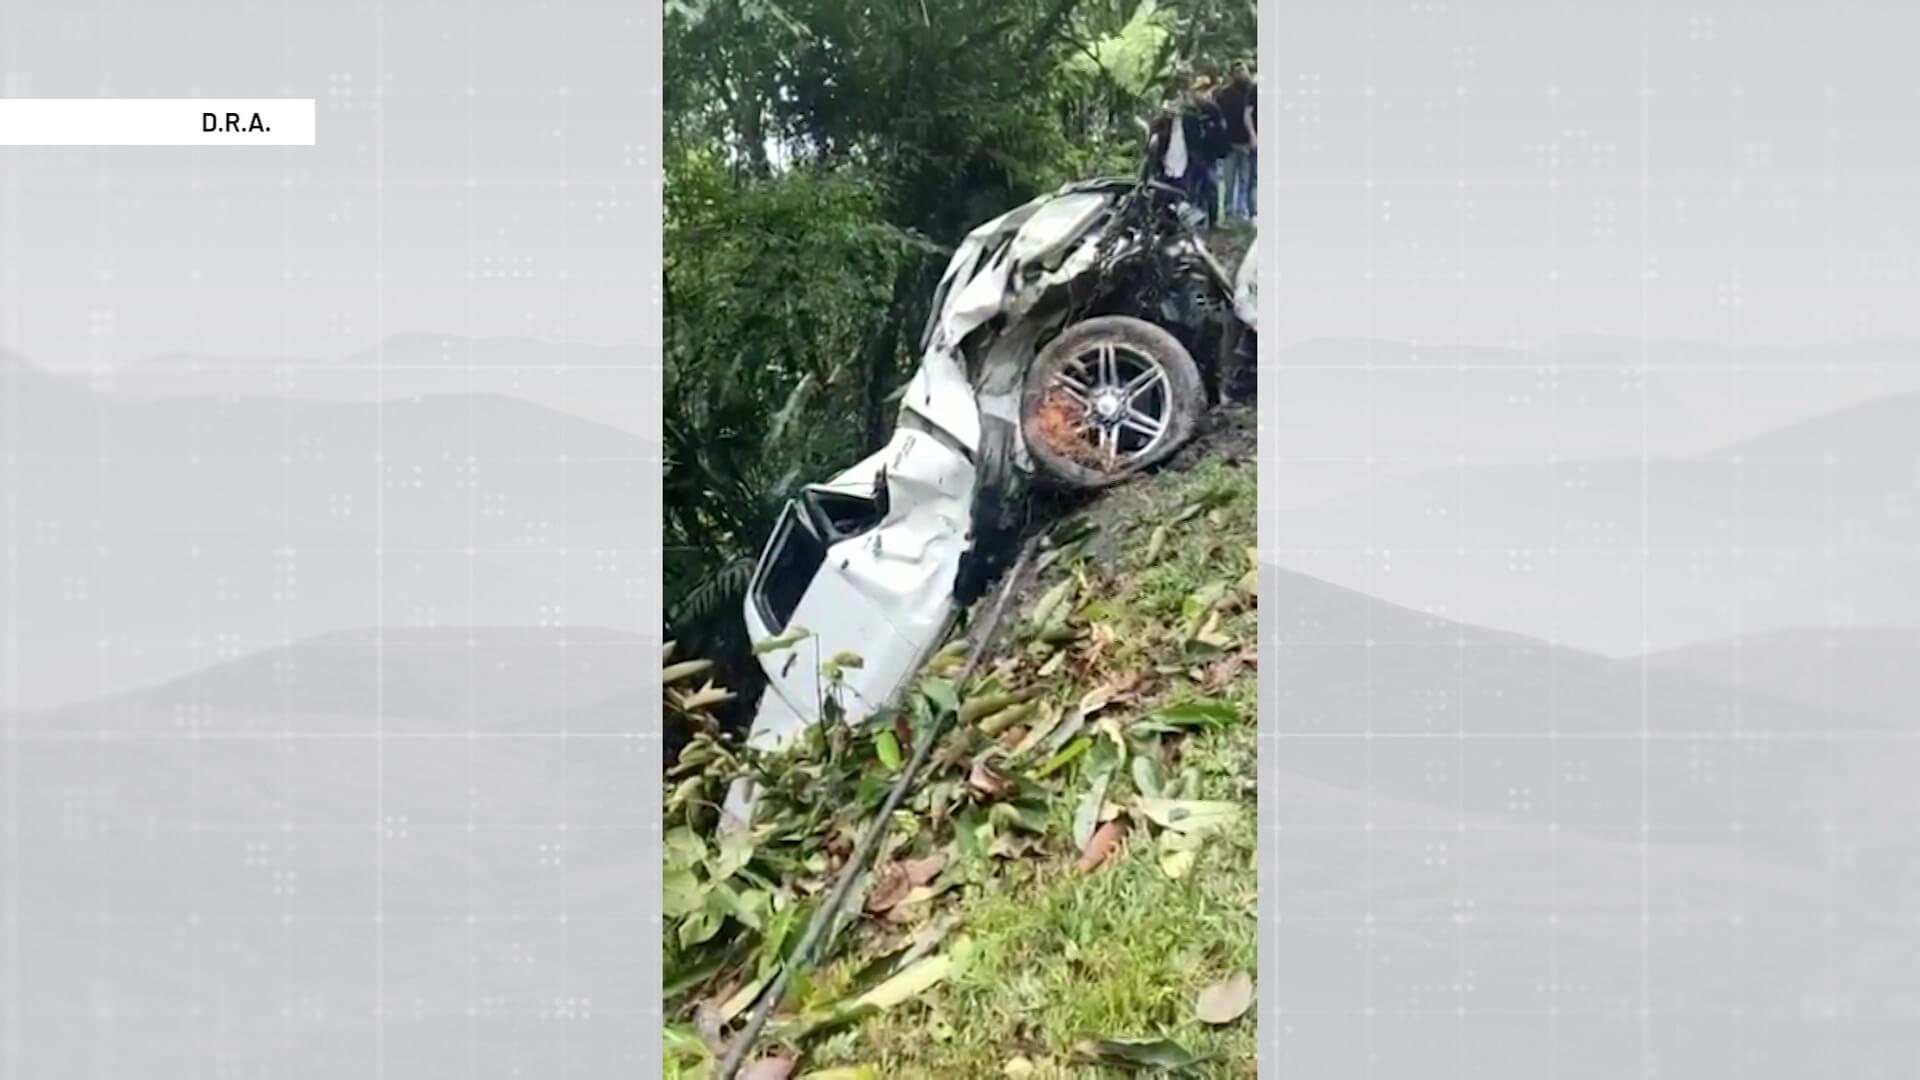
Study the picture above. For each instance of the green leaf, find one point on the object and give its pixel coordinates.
(681, 892)
(1189, 816)
(1155, 543)
(684, 848)
(1028, 817)
(1147, 777)
(1204, 599)
(733, 854)
(911, 983)
(1050, 603)
(1064, 758)
(793, 636)
(887, 745)
(1149, 1053)
(972, 834)
(1071, 725)
(1087, 818)
(752, 907)
(1175, 864)
(700, 926)
(941, 694)
(1198, 713)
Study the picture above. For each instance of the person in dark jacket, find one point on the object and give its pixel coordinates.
(1207, 142)
(1235, 101)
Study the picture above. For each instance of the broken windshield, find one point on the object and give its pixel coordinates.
(797, 555)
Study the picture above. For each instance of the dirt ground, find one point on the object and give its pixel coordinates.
(1227, 433)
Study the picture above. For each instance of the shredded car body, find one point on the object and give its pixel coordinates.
(1093, 298)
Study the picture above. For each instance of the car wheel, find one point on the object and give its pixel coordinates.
(1109, 397)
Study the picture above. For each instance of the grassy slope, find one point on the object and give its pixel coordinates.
(1057, 956)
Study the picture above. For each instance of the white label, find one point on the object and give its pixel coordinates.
(156, 121)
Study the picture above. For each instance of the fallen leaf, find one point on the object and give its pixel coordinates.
(985, 705)
(1197, 713)
(1106, 839)
(920, 895)
(768, 1068)
(707, 1024)
(1043, 724)
(1210, 633)
(1153, 1053)
(986, 781)
(1190, 816)
(890, 886)
(686, 669)
(845, 1072)
(1017, 1068)
(1098, 698)
(941, 694)
(1154, 543)
(1027, 815)
(792, 637)
(1012, 846)
(738, 1002)
(1064, 758)
(1221, 672)
(926, 868)
(1050, 602)
(1005, 718)
(1175, 864)
(910, 983)
(1225, 1001)
(1147, 778)
(1087, 817)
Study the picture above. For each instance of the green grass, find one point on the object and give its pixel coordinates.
(1053, 956)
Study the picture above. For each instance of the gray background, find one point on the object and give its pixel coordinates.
(1587, 468)
(1590, 472)
(330, 579)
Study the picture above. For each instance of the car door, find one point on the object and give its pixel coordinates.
(804, 583)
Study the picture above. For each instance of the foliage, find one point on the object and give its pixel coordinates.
(1120, 698)
(771, 287)
(822, 154)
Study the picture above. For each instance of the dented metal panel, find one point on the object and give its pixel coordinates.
(887, 594)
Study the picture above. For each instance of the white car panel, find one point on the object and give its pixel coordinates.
(1245, 282)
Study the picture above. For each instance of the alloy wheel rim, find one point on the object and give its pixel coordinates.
(1121, 398)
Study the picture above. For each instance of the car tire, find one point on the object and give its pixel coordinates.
(1072, 433)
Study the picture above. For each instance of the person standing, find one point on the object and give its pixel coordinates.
(1235, 102)
(1207, 143)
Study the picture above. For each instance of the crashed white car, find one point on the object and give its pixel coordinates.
(1065, 345)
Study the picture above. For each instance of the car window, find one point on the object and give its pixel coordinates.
(783, 580)
(838, 515)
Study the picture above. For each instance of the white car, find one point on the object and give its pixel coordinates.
(1061, 347)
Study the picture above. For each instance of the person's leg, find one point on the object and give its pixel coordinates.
(1253, 182)
(1243, 182)
(1231, 182)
